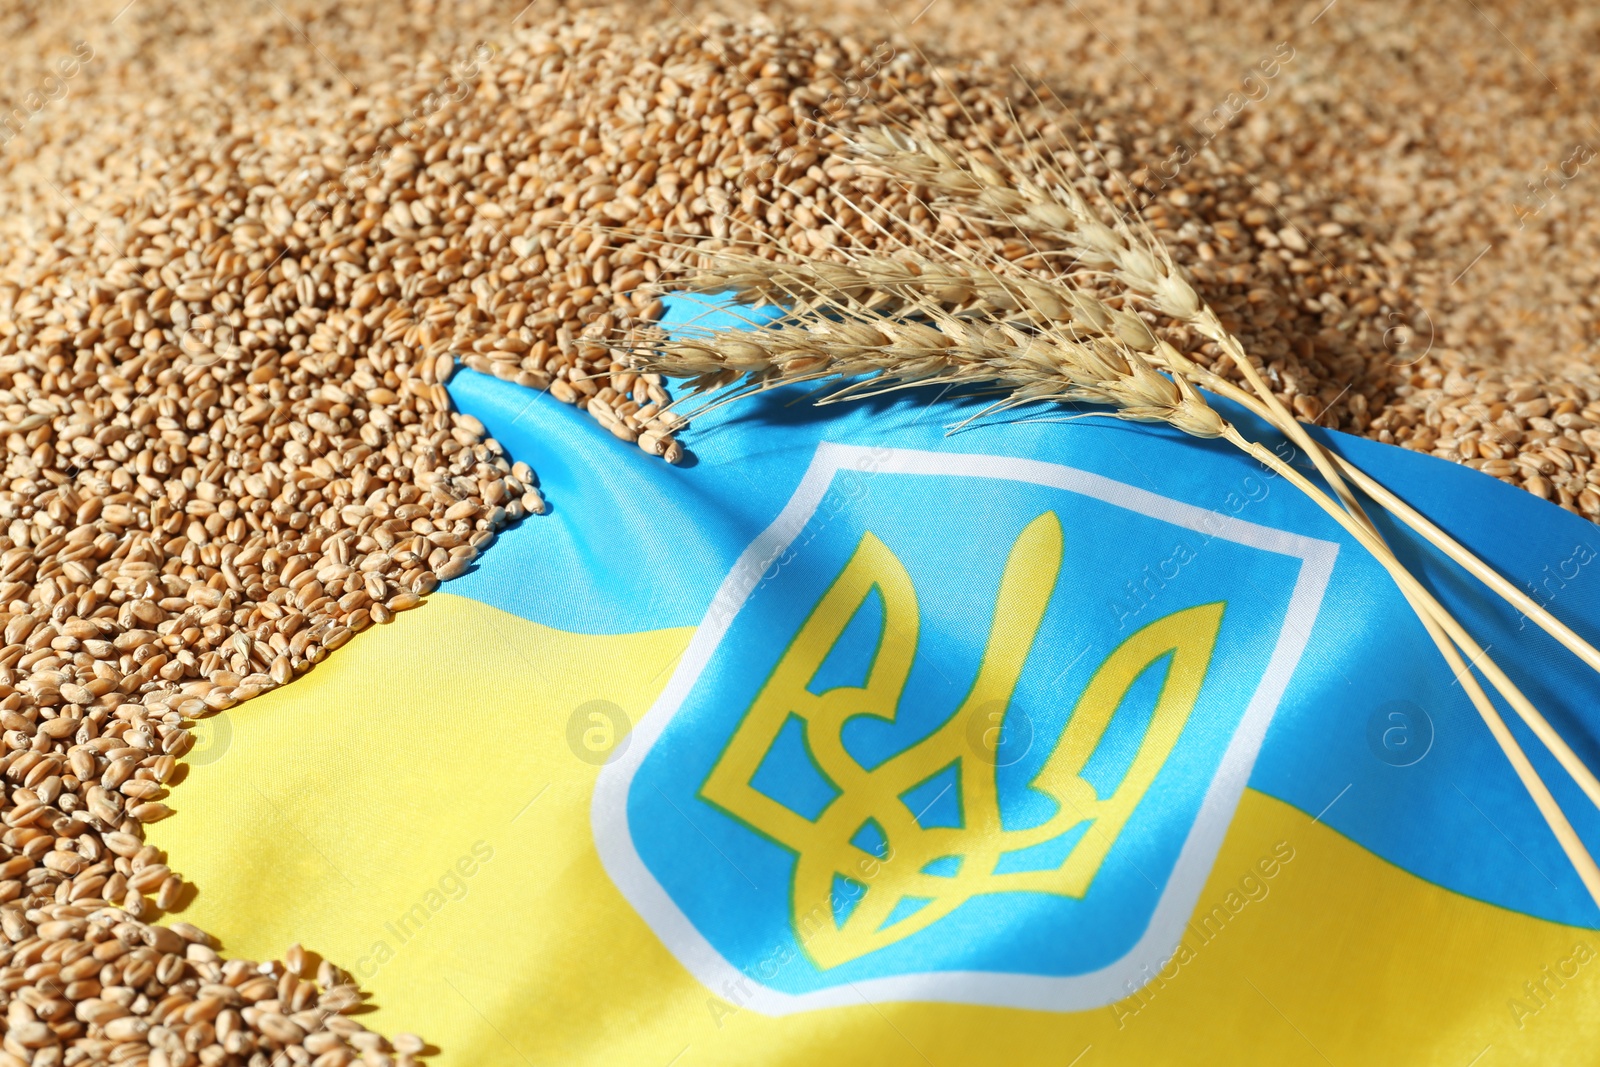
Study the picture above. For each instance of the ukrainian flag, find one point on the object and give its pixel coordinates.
(855, 741)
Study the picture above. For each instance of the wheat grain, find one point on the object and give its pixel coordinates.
(556, 173)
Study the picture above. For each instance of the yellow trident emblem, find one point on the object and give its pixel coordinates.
(824, 847)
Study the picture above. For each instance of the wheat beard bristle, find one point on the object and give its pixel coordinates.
(849, 341)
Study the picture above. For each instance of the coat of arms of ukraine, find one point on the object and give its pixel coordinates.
(984, 758)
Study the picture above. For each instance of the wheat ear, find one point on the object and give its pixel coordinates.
(889, 354)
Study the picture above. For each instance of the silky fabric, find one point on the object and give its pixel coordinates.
(869, 736)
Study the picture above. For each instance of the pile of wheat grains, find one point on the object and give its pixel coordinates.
(244, 247)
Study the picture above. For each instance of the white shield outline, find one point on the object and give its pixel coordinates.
(1095, 989)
